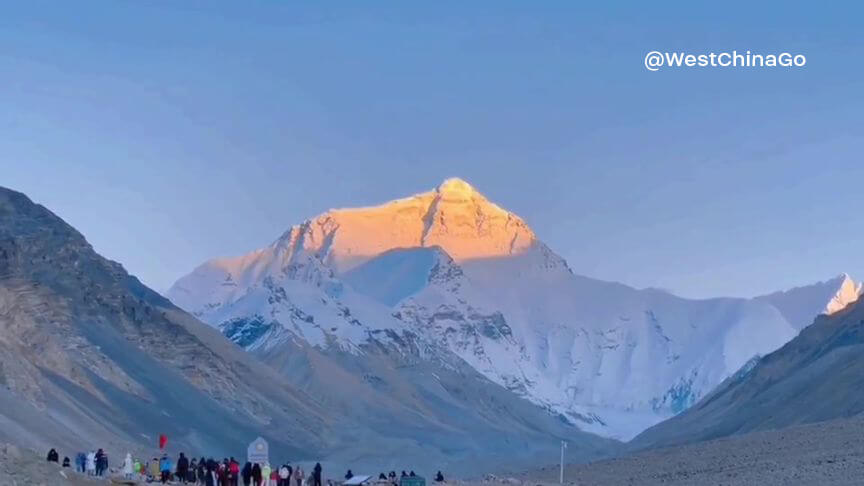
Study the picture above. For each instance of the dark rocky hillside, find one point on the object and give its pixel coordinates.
(91, 357)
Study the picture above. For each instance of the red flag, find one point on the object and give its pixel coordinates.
(163, 439)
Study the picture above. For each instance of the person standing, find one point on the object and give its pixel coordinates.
(99, 455)
(298, 475)
(127, 466)
(101, 463)
(191, 473)
(211, 478)
(246, 473)
(182, 468)
(91, 463)
(256, 475)
(284, 475)
(233, 474)
(223, 472)
(165, 467)
(155, 472)
(234, 469)
(202, 471)
(316, 474)
(205, 469)
(265, 474)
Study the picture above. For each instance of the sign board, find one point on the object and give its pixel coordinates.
(412, 481)
(356, 480)
(258, 452)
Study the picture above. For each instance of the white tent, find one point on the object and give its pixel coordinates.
(356, 480)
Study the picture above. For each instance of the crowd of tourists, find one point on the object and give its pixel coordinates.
(391, 477)
(93, 463)
(208, 472)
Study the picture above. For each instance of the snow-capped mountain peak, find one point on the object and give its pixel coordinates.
(800, 305)
(457, 275)
(848, 292)
(456, 188)
(454, 216)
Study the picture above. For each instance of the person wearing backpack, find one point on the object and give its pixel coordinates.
(234, 472)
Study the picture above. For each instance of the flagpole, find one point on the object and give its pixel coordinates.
(561, 475)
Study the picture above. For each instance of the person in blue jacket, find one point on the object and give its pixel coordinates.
(81, 462)
(165, 466)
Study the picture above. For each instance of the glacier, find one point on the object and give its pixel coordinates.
(454, 274)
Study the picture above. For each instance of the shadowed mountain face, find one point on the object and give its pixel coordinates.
(435, 415)
(817, 376)
(90, 357)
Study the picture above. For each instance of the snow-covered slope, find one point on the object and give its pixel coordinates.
(466, 277)
(817, 376)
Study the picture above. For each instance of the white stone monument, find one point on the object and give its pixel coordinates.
(258, 452)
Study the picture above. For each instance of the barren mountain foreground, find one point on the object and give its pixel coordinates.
(827, 453)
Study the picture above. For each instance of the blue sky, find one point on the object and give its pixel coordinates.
(172, 132)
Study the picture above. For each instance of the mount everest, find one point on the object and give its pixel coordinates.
(89, 357)
(449, 278)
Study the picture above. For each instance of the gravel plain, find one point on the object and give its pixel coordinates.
(827, 453)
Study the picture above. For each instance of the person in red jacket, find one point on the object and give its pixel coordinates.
(234, 470)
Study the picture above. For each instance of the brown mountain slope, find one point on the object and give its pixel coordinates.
(90, 357)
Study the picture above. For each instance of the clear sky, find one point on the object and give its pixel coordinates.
(170, 132)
